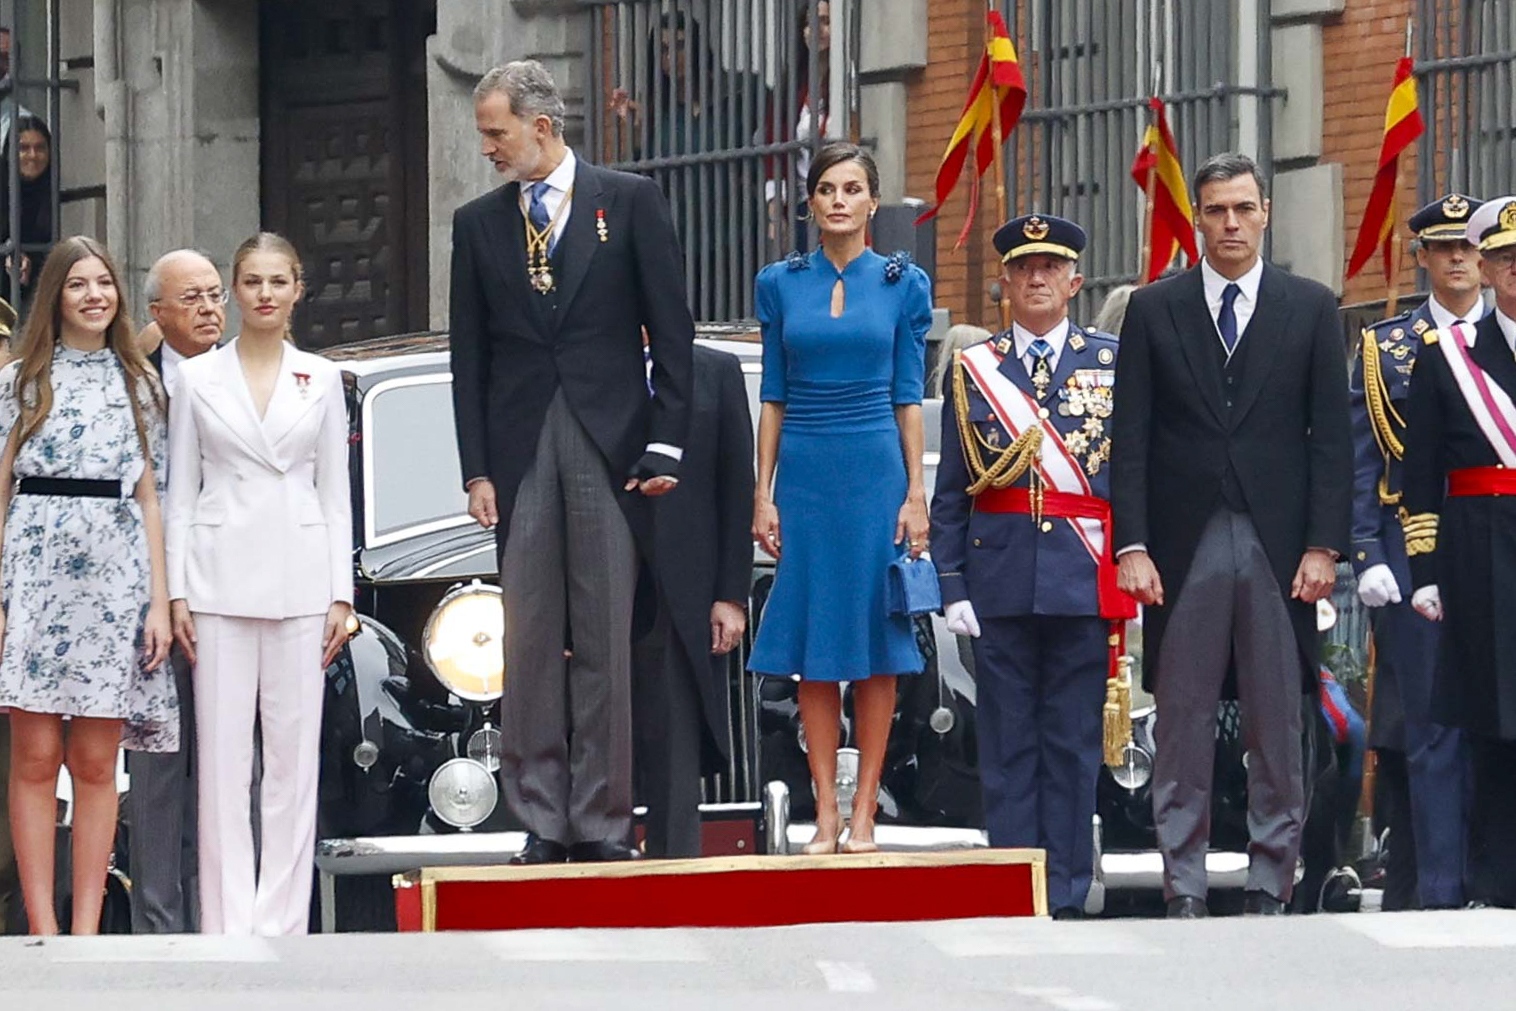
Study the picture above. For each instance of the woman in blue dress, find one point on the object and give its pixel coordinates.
(839, 465)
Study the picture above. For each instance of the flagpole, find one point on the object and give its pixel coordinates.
(1001, 212)
(1397, 249)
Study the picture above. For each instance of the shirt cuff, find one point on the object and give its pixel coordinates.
(670, 451)
(1139, 546)
(473, 481)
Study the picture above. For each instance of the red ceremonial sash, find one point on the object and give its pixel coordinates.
(1069, 497)
(1472, 482)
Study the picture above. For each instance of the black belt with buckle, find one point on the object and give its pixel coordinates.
(75, 486)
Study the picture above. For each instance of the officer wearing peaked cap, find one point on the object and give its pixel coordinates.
(1021, 539)
(1459, 509)
(1421, 763)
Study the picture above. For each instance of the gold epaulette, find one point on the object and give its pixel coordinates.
(1420, 532)
(1384, 420)
(1010, 461)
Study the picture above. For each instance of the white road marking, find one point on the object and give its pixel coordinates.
(1454, 928)
(1064, 999)
(1029, 937)
(159, 948)
(847, 977)
(673, 945)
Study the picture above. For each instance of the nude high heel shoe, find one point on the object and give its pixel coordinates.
(822, 845)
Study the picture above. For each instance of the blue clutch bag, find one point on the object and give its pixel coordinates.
(912, 586)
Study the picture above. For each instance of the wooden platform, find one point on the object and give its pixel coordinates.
(747, 891)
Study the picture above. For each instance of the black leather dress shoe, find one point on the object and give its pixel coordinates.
(1068, 913)
(1187, 907)
(600, 852)
(541, 851)
(1255, 903)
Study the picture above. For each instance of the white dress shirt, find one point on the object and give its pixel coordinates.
(170, 371)
(1443, 317)
(559, 182)
(1246, 301)
(1057, 337)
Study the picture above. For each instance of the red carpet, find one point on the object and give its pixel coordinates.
(726, 891)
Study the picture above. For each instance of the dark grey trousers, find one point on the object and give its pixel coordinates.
(165, 867)
(1229, 608)
(569, 564)
(666, 731)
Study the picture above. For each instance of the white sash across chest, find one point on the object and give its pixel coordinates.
(1018, 411)
(1491, 406)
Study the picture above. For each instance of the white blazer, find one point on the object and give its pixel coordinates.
(259, 518)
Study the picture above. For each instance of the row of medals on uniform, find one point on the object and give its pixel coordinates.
(1087, 395)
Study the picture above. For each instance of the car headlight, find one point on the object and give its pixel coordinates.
(1135, 770)
(462, 792)
(484, 747)
(463, 643)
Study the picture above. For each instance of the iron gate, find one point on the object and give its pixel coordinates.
(714, 100)
(1466, 65)
(1091, 66)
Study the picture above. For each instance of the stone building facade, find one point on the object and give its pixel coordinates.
(347, 124)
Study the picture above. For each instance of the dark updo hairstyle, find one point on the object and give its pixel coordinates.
(835, 154)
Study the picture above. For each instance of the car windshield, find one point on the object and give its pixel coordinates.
(411, 475)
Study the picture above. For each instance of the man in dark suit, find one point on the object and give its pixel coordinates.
(1421, 764)
(554, 277)
(1459, 511)
(188, 304)
(1232, 490)
(698, 597)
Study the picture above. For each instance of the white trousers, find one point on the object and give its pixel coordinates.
(249, 666)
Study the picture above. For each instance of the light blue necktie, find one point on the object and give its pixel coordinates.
(537, 212)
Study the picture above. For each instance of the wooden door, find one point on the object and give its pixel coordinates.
(344, 159)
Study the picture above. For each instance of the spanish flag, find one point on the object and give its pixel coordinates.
(1402, 125)
(1171, 219)
(998, 79)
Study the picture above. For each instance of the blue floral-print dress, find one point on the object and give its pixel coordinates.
(76, 573)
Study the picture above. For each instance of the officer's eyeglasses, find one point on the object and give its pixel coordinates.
(1503, 259)
(192, 299)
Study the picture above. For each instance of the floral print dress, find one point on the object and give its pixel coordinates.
(76, 576)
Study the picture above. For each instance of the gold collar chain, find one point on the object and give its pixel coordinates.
(538, 242)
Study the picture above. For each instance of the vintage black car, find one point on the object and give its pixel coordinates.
(410, 749)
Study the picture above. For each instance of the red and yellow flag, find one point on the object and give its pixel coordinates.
(997, 81)
(1171, 219)
(1402, 125)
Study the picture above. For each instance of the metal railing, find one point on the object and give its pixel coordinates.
(714, 100)
(1466, 65)
(1090, 67)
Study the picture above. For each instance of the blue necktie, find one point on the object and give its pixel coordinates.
(537, 212)
(1226, 319)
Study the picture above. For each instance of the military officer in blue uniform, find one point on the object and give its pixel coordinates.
(1421, 765)
(1020, 537)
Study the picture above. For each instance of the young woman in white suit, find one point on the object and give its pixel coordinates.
(260, 578)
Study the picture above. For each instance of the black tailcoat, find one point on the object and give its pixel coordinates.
(1279, 437)
(703, 532)
(617, 267)
(1474, 561)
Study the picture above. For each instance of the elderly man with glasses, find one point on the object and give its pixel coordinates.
(188, 304)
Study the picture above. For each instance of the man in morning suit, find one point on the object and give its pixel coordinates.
(1020, 532)
(1231, 484)
(697, 603)
(1458, 514)
(188, 303)
(1421, 764)
(554, 276)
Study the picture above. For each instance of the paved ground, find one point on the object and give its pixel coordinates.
(1443, 961)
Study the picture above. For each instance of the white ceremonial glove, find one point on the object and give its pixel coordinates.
(1377, 586)
(961, 619)
(1428, 602)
